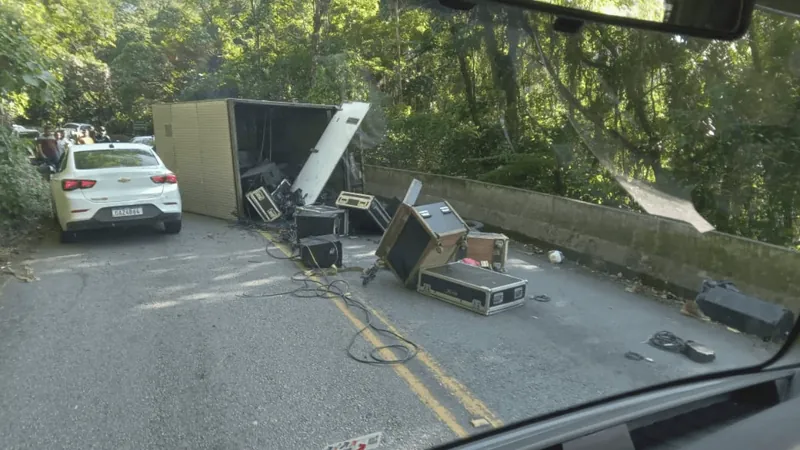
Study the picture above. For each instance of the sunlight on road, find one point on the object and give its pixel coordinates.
(262, 282)
(158, 305)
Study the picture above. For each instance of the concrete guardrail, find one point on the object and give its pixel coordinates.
(663, 253)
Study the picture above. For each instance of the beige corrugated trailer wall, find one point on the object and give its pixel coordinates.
(194, 141)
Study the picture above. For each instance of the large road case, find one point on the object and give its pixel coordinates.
(419, 237)
(480, 290)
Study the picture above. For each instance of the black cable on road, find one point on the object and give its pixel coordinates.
(667, 341)
(312, 287)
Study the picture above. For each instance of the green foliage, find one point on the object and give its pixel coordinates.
(23, 74)
(25, 198)
(490, 94)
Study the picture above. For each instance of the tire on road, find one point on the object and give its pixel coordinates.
(65, 237)
(172, 227)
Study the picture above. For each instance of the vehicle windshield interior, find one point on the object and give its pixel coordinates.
(495, 214)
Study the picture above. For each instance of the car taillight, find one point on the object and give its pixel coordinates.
(71, 185)
(168, 178)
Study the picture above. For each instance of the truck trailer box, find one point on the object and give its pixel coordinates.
(210, 143)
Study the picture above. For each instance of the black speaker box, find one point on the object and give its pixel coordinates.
(317, 220)
(321, 252)
(365, 204)
(726, 305)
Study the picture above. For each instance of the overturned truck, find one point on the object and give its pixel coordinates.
(222, 149)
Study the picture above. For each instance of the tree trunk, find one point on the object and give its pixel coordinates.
(466, 75)
(502, 70)
(320, 11)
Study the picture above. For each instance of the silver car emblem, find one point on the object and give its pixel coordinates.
(124, 180)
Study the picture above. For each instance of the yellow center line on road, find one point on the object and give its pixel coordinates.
(416, 385)
(471, 403)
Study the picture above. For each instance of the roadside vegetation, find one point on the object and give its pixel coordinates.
(486, 95)
(24, 195)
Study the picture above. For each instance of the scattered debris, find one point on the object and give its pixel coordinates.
(691, 309)
(667, 341)
(637, 357)
(531, 249)
(26, 275)
(543, 298)
(471, 262)
(555, 256)
(477, 423)
(367, 442)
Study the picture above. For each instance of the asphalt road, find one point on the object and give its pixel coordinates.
(137, 340)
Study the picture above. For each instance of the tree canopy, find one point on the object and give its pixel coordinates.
(490, 94)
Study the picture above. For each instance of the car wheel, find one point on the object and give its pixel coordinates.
(68, 237)
(173, 227)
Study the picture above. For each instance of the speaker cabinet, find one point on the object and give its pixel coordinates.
(750, 315)
(419, 237)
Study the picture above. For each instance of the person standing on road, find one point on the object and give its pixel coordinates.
(47, 146)
(85, 138)
(61, 143)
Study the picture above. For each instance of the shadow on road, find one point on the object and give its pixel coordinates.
(121, 236)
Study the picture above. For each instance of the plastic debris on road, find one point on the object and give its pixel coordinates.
(555, 256)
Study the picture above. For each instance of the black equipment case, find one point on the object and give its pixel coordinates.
(722, 302)
(321, 252)
(480, 290)
(317, 220)
(367, 203)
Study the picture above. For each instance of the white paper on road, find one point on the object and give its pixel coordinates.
(367, 442)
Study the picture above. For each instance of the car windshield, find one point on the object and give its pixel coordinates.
(111, 159)
(600, 210)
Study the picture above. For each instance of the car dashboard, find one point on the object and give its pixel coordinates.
(739, 412)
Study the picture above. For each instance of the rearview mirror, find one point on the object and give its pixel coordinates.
(712, 19)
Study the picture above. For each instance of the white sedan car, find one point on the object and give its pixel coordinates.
(113, 185)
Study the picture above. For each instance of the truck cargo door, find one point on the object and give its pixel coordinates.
(329, 150)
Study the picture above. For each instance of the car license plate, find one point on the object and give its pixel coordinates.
(126, 212)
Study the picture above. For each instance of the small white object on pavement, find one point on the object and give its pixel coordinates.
(555, 256)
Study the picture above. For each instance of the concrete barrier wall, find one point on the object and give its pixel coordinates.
(663, 252)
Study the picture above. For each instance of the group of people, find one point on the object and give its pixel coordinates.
(51, 145)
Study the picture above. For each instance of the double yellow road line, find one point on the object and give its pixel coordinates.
(474, 407)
